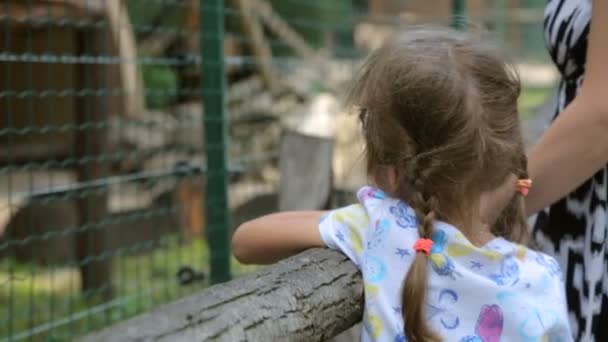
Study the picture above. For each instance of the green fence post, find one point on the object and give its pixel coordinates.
(458, 14)
(216, 136)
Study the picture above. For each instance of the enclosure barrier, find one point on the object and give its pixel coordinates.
(313, 296)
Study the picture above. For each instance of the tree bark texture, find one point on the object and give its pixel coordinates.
(313, 296)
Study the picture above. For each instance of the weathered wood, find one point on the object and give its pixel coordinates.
(351, 335)
(282, 29)
(306, 169)
(310, 297)
(242, 90)
(289, 36)
(124, 40)
(34, 151)
(258, 43)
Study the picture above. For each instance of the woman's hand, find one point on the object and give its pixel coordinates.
(271, 238)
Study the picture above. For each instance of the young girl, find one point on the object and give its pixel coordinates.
(440, 122)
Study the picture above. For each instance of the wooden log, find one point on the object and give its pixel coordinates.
(33, 151)
(259, 45)
(282, 29)
(244, 89)
(306, 172)
(124, 40)
(291, 38)
(310, 297)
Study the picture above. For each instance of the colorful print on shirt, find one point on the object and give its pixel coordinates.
(501, 291)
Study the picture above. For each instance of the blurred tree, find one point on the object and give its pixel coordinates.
(162, 19)
(320, 23)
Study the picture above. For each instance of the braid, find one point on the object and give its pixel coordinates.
(425, 206)
(440, 108)
(512, 223)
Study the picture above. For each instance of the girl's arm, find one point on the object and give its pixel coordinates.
(271, 238)
(576, 145)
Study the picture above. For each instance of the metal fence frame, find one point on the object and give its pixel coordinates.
(216, 137)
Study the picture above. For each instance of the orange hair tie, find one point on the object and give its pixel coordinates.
(523, 186)
(424, 246)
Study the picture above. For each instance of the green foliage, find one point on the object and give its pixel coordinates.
(161, 85)
(156, 17)
(317, 22)
(531, 98)
(35, 295)
(144, 13)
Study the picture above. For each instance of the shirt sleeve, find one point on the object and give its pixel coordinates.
(344, 230)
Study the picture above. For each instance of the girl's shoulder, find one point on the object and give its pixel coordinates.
(372, 198)
(371, 194)
(382, 209)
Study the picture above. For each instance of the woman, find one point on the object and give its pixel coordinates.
(568, 165)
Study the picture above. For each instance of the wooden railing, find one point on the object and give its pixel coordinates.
(313, 296)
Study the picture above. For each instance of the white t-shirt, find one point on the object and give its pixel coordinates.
(499, 292)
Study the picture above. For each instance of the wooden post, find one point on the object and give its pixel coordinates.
(306, 172)
(95, 272)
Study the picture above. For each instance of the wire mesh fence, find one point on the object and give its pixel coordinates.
(102, 174)
(137, 134)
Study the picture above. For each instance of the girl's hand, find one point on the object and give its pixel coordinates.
(271, 238)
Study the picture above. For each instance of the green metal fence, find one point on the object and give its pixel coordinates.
(102, 169)
(119, 188)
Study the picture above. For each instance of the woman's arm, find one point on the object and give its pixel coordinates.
(271, 238)
(576, 145)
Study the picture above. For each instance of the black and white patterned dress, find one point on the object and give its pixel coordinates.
(574, 229)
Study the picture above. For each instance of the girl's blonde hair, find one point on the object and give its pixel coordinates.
(440, 108)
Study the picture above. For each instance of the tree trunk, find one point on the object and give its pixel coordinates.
(310, 297)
